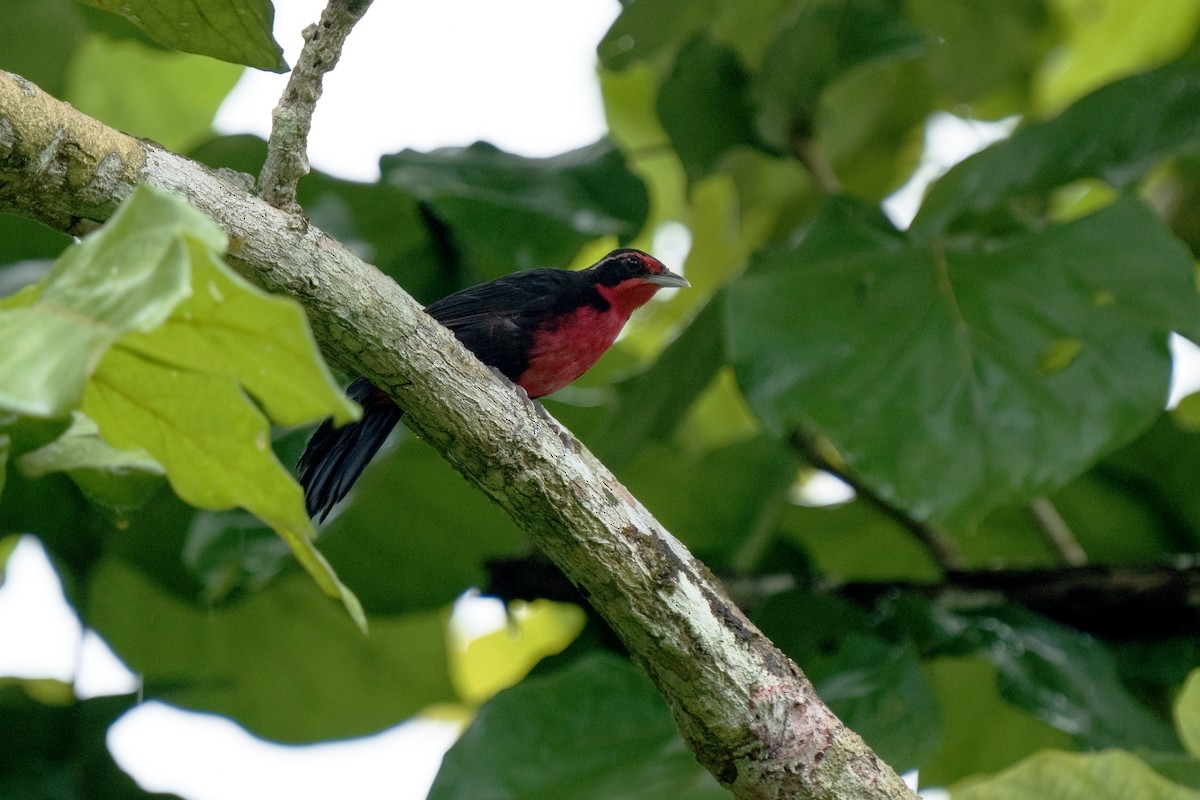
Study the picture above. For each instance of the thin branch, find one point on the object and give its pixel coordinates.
(746, 711)
(1057, 532)
(287, 150)
(940, 546)
(804, 149)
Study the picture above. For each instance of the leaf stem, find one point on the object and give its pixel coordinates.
(1057, 532)
(939, 545)
(287, 150)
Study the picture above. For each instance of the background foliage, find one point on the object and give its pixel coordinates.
(1008, 347)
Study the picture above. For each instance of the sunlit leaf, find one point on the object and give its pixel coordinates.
(1113, 775)
(596, 731)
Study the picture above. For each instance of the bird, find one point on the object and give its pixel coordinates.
(540, 328)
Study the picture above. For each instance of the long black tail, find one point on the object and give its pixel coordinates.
(335, 457)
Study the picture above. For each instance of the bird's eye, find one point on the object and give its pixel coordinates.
(633, 265)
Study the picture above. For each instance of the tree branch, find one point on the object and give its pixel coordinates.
(287, 150)
(747, 712)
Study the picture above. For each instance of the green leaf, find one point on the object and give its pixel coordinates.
(127, 276)
(1063, 677)
(981, 731)
(231, 30)
(231, 329)
(879, 691)
(214, 445)
(119, 480)
(1103, 42)
(906, 351)
(1114, 775)
(825, 41)
(705, 107)
(646, 31)
(416, 535)
(1129, 127)
(1002, 40)
(508, 212)
(644, 412)
(176, 109)
(596, 730)
(1187, 713)
(282, 662)
(175, 389)
(61, 752)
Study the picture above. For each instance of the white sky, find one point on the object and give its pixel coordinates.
(519, 74)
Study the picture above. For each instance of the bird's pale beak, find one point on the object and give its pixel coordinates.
(668, 278)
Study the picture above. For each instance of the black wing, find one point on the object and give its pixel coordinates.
(497, 320)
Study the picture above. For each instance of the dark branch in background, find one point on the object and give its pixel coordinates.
(287, 151)
(803, 148)
(939, 545)
(1128, 602)
(1057, 532)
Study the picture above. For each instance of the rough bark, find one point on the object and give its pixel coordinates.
(744, 708)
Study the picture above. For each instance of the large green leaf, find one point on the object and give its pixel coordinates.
(1116, 134)
(175, 109)
(507, 213)
(175, 389)
(231, 30)
(281, 662)
(594, 731)
(126, 277)
(1114, 775)
(953, 376)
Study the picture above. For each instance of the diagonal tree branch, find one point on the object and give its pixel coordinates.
(747, 712)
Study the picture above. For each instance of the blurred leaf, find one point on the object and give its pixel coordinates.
(723, 503)
(284, 663)
(1187, 713)
(508, 213)
(1184, 770)
(898, 337)
(1065, 678)
(879, 691)
(652, 404)
(119, 480)
(1129, 127)
(845, 541)
(646, 31)
(415, 535)
(1002, 40)
(176, 109)
(483, 665)
(1104, 41)
(825, 41)
(231, 30)
(1113, 775)
(704, 106)
(596, 729)
(981, 731)
(50, 30)
(61, 752)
